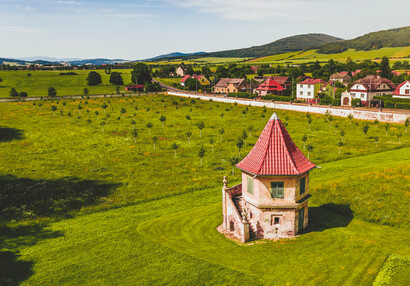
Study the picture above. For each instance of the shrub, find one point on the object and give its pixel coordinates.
(241, 95)
(68, 73)
(277, 97)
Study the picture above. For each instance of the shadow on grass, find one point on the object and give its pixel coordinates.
(14, 270)
(8, 134)
(325, 217)
(24, 198)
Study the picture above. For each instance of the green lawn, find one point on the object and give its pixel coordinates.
(38, 83)
(85, 203)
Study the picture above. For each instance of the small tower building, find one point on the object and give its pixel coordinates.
(272, 200)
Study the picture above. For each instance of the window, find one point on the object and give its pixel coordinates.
(302, 186)
(276, 189)
(249, 183)
(308, 93)
(407, 91)
(277, 220)
(301, 93)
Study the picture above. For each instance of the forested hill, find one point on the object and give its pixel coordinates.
(285, 45)
(399, 37)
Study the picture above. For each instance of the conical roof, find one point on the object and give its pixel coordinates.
(275, 153)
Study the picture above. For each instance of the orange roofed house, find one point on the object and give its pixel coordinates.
(232, 85)
(272, 200)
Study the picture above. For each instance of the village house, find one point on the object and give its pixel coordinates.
(272, 200)
(232, 85)
(368, 87)
(134, 87)
(200, 78)
(346, 98)
(342, 77)
(308, 89)
(327, 89)
(270, 86)
(402, 90)
(284, 81)
(181, 70)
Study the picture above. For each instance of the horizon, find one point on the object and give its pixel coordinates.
(136, 30)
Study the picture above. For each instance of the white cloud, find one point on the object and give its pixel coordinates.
(65, 2)
(257, 9)
(27, 8)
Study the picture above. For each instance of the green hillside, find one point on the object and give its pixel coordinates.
(285, 45)
(399, 37)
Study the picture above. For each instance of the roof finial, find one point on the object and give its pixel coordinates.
(274, 116)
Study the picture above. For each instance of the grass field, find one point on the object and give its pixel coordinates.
(85, 203)
(38, 83)
(312, 55)
(174, 241)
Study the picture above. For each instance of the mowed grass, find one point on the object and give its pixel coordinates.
(312, 55)
(38, 83)
(174, 241)
(116, 169)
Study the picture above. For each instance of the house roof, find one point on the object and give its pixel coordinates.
(339, 75)
(371, 82)
(275, 153)
(135, 86)
(281, 79)
(185, 78)
(270, 84)
(223, 82)
(397, 90)
(311, 81)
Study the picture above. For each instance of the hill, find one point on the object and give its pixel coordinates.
(285, 45)
(173, 56)
(399, 37)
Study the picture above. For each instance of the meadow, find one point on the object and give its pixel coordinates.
(88, 200)
(38, 82)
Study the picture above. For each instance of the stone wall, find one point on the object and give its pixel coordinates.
(382, 116)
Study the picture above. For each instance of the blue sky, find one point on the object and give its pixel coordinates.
(139, 29)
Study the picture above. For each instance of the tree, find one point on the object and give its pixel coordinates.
(1, 79)
(188, 118)
(133, 122)
(23, 94)
(376, 122)
(244, 136)
(250, 128)
(192, 84)
(342, 134)
(233, 160)
(387, 127)
(200, 125)
(221, 131)
(96, 114)
(340, 144)
(116, 79)
(385, 68)
(407, 123)
(190, 70)
(162, 119)
(53, 109)
(365, 129)
(102, 123)
(104, 106)
(85, 91)
(262, 116)
(206, 71)
(309, 121)
(350, 116)
(304, 139)
(221, 72)
(175, 146)
(93, 78)
(201, 153)
(140, 74)
(330, 119)
(123, 111)
(309, 148)
(189, 134)
(239, 144)
(79, 107)
(211, 141)
(52, 91)
(134, 134)
(149, 126)
(154, 140)
(399, 135)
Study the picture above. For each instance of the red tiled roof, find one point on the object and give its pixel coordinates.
(311, 81)
(275, 154)
(340, 74)
(371, 82)
(280, 79)
(185, 78)
(397, 90)
(270, 84)
(135, 86)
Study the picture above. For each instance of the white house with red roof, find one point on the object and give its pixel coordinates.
(308, 88)
(402, 90)
(183, 80)
(270, 86)
(368, 87)
(272, 200)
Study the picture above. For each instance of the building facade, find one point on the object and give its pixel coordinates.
(402, 90)
(272, 200)
(309, 88)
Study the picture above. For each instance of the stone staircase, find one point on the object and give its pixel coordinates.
(237, 200)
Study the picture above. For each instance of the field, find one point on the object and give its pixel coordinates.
(87, 203)
(38, 83)
(312, 55)
(204, 60)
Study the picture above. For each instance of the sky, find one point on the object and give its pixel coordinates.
(135, 29)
